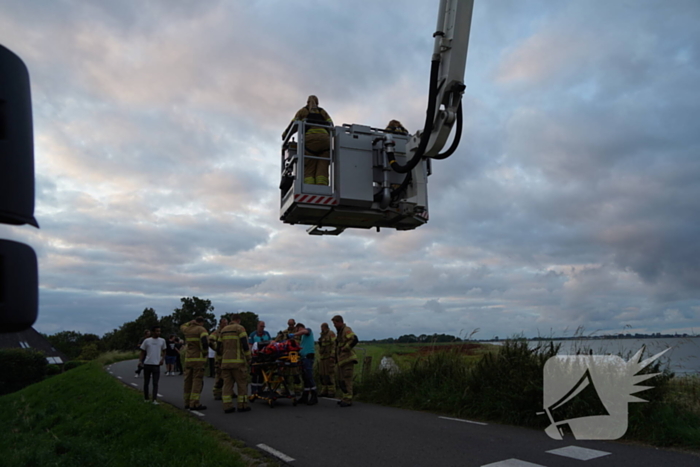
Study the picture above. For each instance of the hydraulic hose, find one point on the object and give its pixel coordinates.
(457, 138)
(397, 192)
(453, 147)
(428, 127)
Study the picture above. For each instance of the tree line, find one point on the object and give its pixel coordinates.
(413, 339)
(78, 346)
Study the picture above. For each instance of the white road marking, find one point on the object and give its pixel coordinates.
(465, 421)
(512, 463)
(198, 413)
(575, 452)
(276, 453)
(135, 385)
(160, 395)
(120, 377)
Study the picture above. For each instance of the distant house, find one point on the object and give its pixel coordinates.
(31, 339)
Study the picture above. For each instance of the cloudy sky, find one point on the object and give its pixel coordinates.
(573, 200)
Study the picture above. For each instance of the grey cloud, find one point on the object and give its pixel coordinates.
(572, 199)
(435, 306)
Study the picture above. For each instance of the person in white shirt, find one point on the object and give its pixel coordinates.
(152, 356)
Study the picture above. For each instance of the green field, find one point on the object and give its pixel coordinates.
(405, 354)
(86, 417)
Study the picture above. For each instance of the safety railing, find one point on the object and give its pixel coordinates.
(295, 153)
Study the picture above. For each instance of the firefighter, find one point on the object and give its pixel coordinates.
(396, 127)
(258, 340)
(283, 335)
(215, 345)
(317, 141)
(345, 359)
(195, 361)
(234, 364)
(326, 346)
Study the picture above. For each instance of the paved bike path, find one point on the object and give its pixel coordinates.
(372, 435)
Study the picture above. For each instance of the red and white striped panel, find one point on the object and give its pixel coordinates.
(423, 214)
(316, 199)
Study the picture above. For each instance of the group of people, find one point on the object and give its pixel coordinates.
(234, 350)
(318, 139)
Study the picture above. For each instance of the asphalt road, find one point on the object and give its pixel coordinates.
(371, 435)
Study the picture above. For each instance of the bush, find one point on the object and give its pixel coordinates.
(114, 356)
(89, 352)
(508, 386)
(435, 382)
(20, 368)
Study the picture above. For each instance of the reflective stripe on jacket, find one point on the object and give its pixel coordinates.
(326, 344)
(344, 343)
(321, 117)
(235, 346)
(195, 353)
(215, 344)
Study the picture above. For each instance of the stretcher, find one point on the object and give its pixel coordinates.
(281, 370)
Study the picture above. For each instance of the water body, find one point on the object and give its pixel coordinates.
(682, 359)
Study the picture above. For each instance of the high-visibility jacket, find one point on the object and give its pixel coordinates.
(326, 344)
(196, 352)
(215, 344)
(344, 343)
(235, 346)
(398, 130)
(317, 116)
(283, 335)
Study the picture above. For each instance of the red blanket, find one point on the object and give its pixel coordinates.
(287, 346)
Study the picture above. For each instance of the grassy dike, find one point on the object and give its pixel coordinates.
(507, 387)
(86, 417)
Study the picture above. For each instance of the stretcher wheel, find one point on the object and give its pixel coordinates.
(271, 403)
(295, 402)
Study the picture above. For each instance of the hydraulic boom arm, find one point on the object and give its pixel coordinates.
(446, 84)
(451, 44)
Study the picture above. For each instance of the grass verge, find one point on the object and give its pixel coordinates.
(86, 417)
